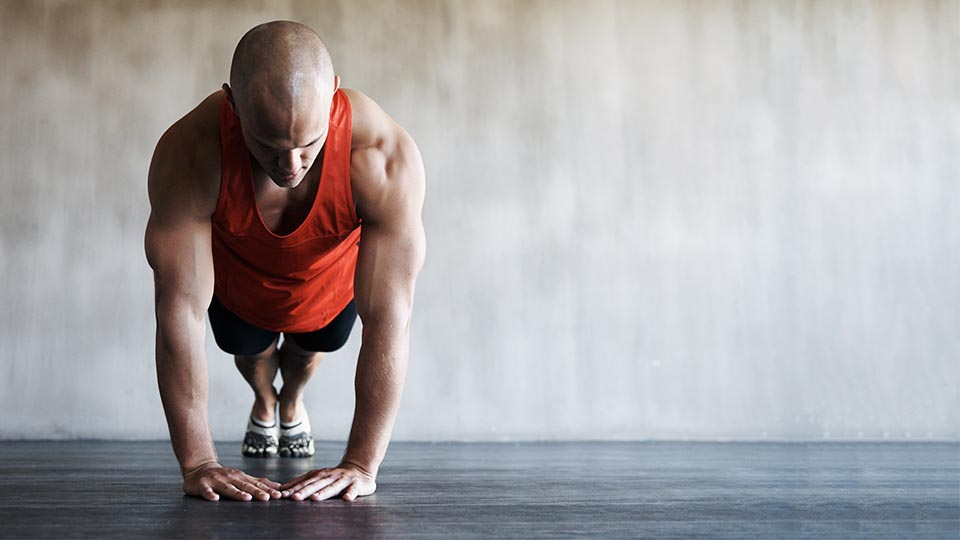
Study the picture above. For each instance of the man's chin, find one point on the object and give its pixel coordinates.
(287, 182)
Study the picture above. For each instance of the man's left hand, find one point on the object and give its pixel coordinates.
(322, 484)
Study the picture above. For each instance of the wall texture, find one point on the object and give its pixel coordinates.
(713, 219)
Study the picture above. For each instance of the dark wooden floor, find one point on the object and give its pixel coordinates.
(96, 489)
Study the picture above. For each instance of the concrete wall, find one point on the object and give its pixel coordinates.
(645, 219)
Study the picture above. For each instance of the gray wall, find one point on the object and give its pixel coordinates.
(733, 220)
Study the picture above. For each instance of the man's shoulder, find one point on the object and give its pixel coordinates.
(372, 126)
(195, 137)
(186, 162)
(384, 161)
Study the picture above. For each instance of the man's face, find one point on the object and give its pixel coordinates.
(285, 140)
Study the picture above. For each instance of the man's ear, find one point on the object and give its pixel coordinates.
(228, 92)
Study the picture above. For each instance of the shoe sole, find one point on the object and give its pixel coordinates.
(259, 452)
(258, 446)
(287, 451)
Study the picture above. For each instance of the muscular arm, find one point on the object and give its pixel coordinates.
(183, 190)
(177, 244)
(392, 250)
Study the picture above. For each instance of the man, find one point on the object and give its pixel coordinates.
(257, 198)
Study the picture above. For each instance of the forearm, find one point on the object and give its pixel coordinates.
(381, 371)
(182, 379)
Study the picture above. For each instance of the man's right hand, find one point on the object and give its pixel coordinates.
(212, 480)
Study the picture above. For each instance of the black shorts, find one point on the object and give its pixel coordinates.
(238, 337)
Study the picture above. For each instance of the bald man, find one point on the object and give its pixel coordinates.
(283, 207)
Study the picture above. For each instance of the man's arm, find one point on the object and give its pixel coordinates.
(388, 182)
(178, 247)
(392, 251)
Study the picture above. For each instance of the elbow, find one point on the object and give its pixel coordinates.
(390, 317)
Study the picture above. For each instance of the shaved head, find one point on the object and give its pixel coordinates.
(282, 86)
(283, 61)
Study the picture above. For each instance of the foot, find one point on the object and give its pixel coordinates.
(260, 439)
(265, 407)
(295, 438)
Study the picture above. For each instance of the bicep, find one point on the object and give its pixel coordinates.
(392, 241)
(177, 239)
(181, 257)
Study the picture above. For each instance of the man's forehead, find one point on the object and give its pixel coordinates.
(284, 126)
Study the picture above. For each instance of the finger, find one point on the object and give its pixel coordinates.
(270, 483)
(332, 490)
(298, 486)
(256, 488)
(314, 487)
(318, 473)
(266, 487)
(302, 478)
(252, 489)
(232, 491)
(209, 494)
(303, 485)
(359, 488)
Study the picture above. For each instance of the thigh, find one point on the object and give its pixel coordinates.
(234, 335)
(332, 336)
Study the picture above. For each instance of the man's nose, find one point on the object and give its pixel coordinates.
(289, 162)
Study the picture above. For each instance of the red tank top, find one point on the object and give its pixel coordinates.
(296, 282)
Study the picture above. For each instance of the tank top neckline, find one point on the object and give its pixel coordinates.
(252, 190)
